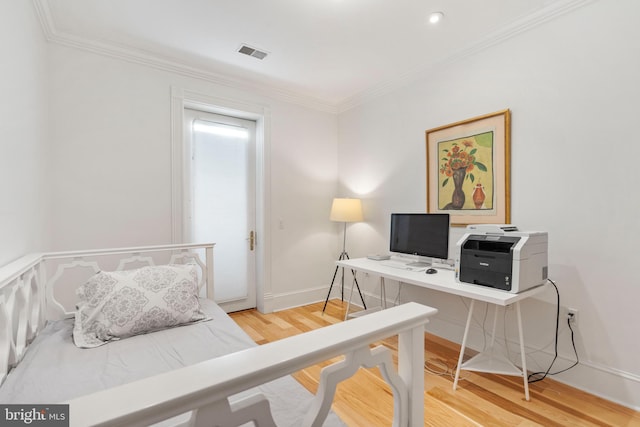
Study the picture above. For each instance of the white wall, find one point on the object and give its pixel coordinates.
(111, 167)
(22, 136)
(572, 87)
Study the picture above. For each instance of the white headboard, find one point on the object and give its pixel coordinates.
(66, 271)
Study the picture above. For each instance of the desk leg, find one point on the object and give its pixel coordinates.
(525, 373)
(464, 344)
(493, 331)
(346, 313)
(383, 293)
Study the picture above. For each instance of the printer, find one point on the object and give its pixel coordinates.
(501, 257)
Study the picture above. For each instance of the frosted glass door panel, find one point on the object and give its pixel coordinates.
(222, 210)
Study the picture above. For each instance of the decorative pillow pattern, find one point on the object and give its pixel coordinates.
(119, 304)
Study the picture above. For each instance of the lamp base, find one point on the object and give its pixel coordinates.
(344, 255)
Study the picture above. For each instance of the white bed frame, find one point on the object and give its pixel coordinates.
(30, 296)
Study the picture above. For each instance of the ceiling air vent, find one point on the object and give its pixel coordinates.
(248, 50)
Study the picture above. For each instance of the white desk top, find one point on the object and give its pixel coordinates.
(444, 281)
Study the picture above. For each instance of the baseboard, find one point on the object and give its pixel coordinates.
(611, 384)
(287, 300)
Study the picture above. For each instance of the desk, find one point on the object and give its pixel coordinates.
(444, 281)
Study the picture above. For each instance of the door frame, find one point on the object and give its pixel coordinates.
(182, 98)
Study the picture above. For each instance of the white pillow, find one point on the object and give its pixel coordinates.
(120, 304)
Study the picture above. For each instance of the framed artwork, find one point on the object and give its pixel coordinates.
(468, 170)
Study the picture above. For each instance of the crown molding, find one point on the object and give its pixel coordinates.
(43, 12)
(162, 63)
(152, 60)
(522, 25)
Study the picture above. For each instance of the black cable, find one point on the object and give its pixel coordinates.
(573, 343)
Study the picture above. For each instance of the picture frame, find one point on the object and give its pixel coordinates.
(469, 170)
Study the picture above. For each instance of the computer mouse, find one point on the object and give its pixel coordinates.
(431, 271)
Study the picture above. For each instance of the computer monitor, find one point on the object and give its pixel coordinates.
(421, 234)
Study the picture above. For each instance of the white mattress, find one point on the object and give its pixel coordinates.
(55, 370)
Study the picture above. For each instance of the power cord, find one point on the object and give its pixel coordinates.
(442, 369)
(573, 343)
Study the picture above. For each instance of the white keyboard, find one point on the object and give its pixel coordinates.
(401, 265)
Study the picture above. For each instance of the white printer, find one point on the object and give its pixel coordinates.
(501, 257)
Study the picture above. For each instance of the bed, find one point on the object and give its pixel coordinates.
(205, 371)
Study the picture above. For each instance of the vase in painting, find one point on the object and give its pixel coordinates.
(457, 199)
(478, 196)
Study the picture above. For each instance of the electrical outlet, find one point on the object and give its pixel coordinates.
(572, 315)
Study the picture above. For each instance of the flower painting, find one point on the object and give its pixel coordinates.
(468, 169)
(466, 173)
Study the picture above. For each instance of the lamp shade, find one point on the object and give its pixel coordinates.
(346, 210)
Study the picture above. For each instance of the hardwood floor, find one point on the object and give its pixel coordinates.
(481, 399)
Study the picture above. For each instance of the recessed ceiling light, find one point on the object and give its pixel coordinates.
(436, 17)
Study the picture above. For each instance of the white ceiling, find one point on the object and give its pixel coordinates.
(331, 53)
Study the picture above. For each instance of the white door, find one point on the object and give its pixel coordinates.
(221, 201)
